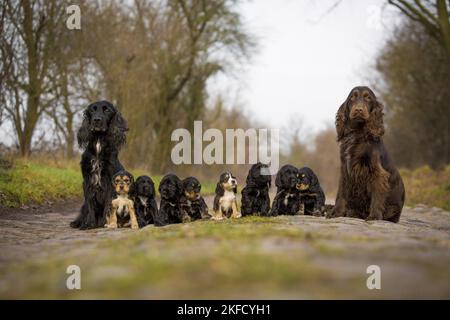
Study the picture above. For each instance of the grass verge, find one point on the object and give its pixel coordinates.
(427, 186)
(41, 181)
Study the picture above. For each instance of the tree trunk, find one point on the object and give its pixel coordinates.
(443, 20)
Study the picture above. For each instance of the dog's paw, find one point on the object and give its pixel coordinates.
(111, 226)
(75, 224)
(236, 215)
(317, 213)
(217, 218)
(373, 217)
(134, 226)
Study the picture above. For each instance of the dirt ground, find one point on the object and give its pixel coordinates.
(295, 257)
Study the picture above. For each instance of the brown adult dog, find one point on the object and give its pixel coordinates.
(370, 186)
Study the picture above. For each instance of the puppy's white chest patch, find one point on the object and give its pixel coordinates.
(122, 206)
(143, 200)
(227, 199)
(286, 198)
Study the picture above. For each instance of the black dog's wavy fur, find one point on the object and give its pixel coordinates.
(287, 199)
(98, 194)
(170, 190)
(197, 208)
(313, 199)
(255, 195)
(146, 212)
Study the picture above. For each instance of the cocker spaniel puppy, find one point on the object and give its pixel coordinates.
(171, 191)
(312, 197)
(192, 203)
(101, 136)
(144, 201)
(255, 195)
(370, 186)
(287, 199)
(225, 205)
(122, 207)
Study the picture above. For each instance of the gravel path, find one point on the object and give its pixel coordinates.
(414, 255)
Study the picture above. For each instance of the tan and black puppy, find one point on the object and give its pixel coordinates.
(122, 208)
(225, 205)
(192, 203)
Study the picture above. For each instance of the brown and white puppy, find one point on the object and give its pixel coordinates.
(122, 208)
(225, 205)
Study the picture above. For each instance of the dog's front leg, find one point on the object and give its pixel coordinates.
(133, 218)
(236, 214)
(379, 188)
(265, 207)
(340, 207)
(111, 221)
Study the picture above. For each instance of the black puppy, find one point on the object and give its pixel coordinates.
(287, 199)
(312, 197)
(170, 190)
(192, 203)
(255, 195)
(143, 194)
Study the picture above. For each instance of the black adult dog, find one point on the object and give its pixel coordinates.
(170, 190)
(143, 194)
(255, 195)
(101, 135)
(192, 203)
(287, 199)
(312, 197)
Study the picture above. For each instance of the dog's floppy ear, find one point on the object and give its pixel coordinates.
(152, 188)
(84, 133)
(132, 190)
(117, 128)
(179, 187)
(314, 179)
(341, 121)
(219, 189)
(278, 179)
(375, 124)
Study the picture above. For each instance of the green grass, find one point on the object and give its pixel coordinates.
(427, 186)
(39, 181)
(28, 182)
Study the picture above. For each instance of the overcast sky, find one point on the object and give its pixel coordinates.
(309, 57)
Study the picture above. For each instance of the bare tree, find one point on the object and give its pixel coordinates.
(26, 45)
(432, 15)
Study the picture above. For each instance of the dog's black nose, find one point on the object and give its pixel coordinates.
(96, 120)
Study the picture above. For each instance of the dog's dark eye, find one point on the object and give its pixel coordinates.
(94, 108)
(105, 109)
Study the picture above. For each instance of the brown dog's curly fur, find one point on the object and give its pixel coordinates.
(370, 186)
